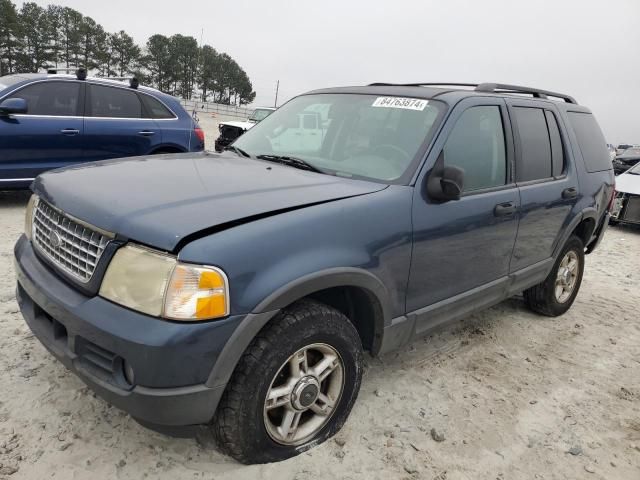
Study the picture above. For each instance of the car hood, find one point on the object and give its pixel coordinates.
(160, 200)
(628, 183)
(242, 125)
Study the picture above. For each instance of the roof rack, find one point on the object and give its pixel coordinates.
(488, 88)
(81, 73)
(133, 81)
(536, 92)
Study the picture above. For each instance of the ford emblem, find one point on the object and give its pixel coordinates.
(55, 239)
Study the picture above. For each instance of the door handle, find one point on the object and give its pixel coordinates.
(70, 131)
(146, 133)
(504, 209)
(571, 192)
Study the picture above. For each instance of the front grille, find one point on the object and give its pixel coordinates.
(632, 209)
(73, 247)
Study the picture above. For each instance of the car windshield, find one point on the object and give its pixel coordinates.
(260, 114)
(361, 136)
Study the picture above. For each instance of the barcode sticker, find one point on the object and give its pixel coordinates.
(399, 102)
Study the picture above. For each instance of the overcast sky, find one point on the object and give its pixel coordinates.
(586, 48)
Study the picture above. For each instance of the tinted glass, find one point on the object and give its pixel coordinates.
(155, 109)
(535, 150)
(114, 102)
(476, 144)
(260, 114)
(557, 152)
(591, 141)
(348, 135)
(51, 98)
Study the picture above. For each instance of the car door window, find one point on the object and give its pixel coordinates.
(477, 145)
(534, 161)
(114, 102)
(58, 99)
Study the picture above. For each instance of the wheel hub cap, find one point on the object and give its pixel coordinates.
(305, 393)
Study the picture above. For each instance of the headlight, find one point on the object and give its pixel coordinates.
(157, 284)
(28, 217)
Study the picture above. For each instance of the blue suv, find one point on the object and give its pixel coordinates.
(49, 121)
(239, 290)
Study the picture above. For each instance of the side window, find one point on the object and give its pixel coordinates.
(51, 98)
(535, 149)
(557, 152)
(154, 108)
(591, 141)
(114, 103)
(477, 145)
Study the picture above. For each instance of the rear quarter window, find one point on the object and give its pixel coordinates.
(591, 141)
(154, 108)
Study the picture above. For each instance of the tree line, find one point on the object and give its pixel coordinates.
(34, 38)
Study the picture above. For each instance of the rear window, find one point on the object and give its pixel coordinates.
(591, 141)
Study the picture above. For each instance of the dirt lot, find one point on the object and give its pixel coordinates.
(513, 396)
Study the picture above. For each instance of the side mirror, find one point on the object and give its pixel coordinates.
(445, 183)
(13, 106)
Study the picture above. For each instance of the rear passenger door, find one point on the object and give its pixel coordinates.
(547, 180)
(114, 124)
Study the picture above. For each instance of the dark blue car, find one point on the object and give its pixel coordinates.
(49, 121)
(239, 290)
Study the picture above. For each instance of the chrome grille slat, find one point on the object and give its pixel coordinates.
(80, 247)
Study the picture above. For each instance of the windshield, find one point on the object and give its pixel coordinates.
(260, 114)
(350, 135)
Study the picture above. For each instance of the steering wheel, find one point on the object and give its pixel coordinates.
(395, 149)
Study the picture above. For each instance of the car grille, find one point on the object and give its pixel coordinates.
(73, 247)
(632, 209)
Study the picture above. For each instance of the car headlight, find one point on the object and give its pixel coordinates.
(28, 216)
(158, 284)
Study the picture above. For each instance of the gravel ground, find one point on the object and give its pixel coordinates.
(507, 395)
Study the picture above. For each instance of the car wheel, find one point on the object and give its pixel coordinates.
(294, 386)
(557, 293)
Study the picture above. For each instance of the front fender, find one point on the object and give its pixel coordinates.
(321, 280)
(287, 294)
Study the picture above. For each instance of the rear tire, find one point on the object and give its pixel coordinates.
(293, 388)
(555, 295)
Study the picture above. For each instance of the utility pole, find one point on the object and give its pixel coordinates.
(275, 104)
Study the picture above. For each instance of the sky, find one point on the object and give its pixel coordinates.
(588, 49)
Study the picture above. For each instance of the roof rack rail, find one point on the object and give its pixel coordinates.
(428, 84)
(486, 87)
(81, 73)
(536, 92)
(133, 81)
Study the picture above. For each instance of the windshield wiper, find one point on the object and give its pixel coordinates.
(237, 150)
(291, 162)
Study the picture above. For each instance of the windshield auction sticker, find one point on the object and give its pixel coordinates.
(399, 102)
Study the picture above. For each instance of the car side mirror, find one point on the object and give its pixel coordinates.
(12, 106)
(445, 183)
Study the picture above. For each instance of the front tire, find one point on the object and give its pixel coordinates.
(293, 388)
(555, 295)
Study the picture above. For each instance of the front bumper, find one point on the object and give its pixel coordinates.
(97, 340)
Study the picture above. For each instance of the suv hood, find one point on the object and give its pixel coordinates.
(159, 200)
(243, 125)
